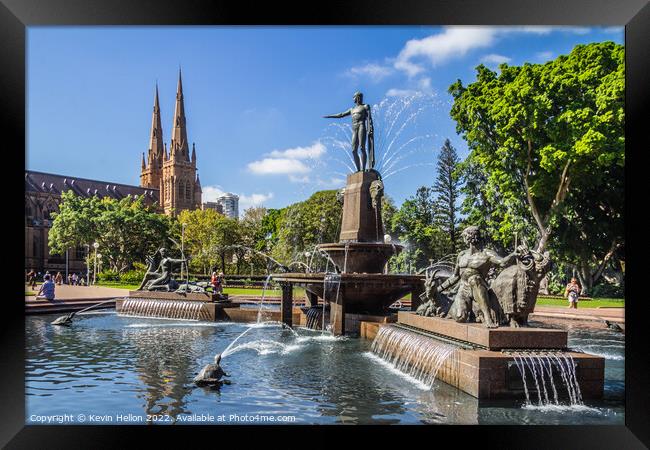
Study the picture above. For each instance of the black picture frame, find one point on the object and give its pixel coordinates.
(16, 15)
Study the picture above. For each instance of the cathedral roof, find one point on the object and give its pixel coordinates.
(56, 184)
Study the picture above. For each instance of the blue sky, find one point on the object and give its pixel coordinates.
(255, 97)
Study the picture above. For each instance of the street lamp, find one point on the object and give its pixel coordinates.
(95, 246)
(87, 265)
(183, 225)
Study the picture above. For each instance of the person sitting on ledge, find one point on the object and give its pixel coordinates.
(47, 288)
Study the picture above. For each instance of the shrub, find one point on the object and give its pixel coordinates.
(608, 290)
(108, 275)
(132, 277)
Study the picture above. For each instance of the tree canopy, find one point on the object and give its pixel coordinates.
(545, 141)
(126, 230)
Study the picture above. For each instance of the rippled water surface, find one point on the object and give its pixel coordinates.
(109, 365)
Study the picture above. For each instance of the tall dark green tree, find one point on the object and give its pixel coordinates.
(544, 135)
(446, 189)
(416, 230)
(547, 149)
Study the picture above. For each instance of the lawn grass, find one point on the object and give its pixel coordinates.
(257, 292)
(299, 292)
(593, 303)
(118, 285)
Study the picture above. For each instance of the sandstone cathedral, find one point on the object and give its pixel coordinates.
(173, 173)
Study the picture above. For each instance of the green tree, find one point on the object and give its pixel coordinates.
(414, 226)
(303, 225)
(126, 230)
(200, 240)
(253, 231)
(542, 136)
(446, 188)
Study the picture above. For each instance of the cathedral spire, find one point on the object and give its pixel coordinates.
(156, 148)
(179, 132)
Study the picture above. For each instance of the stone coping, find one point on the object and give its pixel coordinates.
(489, 338)
(300, 277)
(158, 295)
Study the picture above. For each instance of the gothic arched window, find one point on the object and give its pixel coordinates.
(187, 190)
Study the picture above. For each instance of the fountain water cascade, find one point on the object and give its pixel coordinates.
(414, 354)
(173, 309)
(539, 373)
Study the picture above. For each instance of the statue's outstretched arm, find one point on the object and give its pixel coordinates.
(339, 115)
(452, 280)
(503, 262)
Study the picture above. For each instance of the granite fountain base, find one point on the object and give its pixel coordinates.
(484, 365)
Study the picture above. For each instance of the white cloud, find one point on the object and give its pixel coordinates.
(299, 179)
(291, 162)
(578, 30)
(453, 42)
(421, 86)
(494, 58)
(278, 166)
(456, 41)
(544, 56)
(373, 71)
(246, 201)
(613, 30)
(211, 193)
(393, 92)
(333, 182)
(316, 150)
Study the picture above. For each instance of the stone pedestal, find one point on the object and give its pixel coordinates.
(488, 338)
(286, 307)
(493, 375)
(361, 222)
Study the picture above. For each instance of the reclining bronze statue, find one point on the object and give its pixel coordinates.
(467, 296)
(159, 272)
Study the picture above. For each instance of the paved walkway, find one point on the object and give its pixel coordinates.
(590, 314)
(71, 298)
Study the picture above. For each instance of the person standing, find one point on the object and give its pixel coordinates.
(74, 279)
(31, 279)
(572, 293)
(47, 288)
(58, 279)
(219, 284)
(213, 282)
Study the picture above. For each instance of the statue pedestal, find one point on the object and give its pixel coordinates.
(485, 363)
(488, 338)
(361, 222)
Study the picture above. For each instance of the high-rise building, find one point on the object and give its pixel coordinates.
(173, 174)
(213, 205)
(230, 204)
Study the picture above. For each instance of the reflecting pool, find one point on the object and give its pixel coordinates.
(113, 369)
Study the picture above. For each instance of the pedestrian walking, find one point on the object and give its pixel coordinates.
(572, 293)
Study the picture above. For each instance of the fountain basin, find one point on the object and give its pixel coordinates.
(494, 375)
(362, 257)
(488, 338)
(172, 305)
(361, 293)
